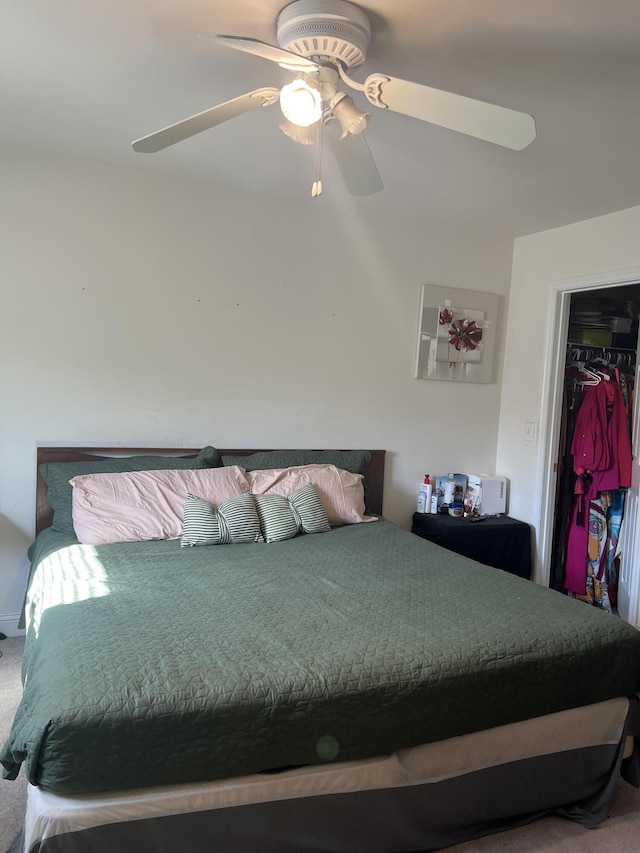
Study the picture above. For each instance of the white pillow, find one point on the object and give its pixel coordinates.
(341, 492)
(141, 505)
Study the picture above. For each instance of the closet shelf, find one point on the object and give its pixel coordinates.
(583, 345)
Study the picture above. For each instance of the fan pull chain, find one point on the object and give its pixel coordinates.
(316, 188)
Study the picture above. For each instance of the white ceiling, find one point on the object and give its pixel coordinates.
(86, 77)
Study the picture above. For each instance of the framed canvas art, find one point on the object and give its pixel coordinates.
(456, 334)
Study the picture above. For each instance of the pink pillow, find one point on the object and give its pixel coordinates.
(341, 492)
(140, 505)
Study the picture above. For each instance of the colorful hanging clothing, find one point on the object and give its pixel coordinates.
(601, 451)
(596, 584)
(614, 523)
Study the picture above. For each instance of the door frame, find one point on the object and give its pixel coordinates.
(552, 390)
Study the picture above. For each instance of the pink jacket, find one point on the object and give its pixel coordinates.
(600, 447)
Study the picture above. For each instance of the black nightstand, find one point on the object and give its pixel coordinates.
(504, 543)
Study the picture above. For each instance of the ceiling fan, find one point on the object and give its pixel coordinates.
(320, 41)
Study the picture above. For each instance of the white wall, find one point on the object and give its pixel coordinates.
(140, 310)
(597, 247)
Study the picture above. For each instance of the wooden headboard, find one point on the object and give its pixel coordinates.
(373, 474)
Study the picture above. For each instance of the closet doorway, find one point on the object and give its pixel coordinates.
(593, 318)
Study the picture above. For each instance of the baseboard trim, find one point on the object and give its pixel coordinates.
(9, 625)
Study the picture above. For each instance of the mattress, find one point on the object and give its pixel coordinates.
(147, 664)
(421, 798)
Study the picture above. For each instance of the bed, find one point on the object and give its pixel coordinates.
(358, 690)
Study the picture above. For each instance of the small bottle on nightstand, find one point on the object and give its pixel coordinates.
(424, 495)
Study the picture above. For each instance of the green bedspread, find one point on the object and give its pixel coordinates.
(148, 664)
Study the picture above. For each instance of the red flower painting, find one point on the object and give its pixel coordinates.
(455, 339)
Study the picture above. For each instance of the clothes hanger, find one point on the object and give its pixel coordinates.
(582, 375)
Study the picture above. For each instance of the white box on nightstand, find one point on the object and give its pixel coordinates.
(492, 491)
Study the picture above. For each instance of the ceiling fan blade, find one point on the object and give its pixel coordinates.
(205, 120)
(354, 160)
(500, 125)
(285, 58)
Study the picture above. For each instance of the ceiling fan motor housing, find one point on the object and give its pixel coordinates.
(333, 29)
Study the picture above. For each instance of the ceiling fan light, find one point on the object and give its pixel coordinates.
(352, 120)
(303, 135)
(301, 102)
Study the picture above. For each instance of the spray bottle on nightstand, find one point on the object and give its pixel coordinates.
(424, 495)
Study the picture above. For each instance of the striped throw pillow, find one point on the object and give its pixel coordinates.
(282, 518)
(235, 520)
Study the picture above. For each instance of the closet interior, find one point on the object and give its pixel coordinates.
(595, 454)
